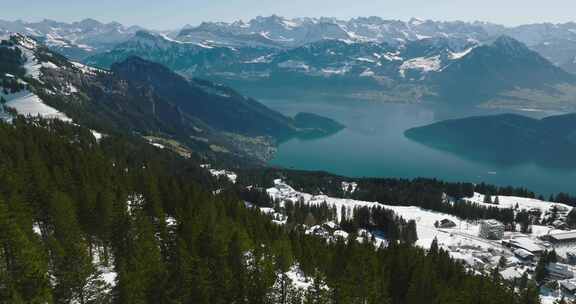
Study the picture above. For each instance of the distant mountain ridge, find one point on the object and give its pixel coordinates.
(488, 70)
(431, 69)
(359, 59)
(556, 42)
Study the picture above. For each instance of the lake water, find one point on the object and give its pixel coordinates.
(373, 144)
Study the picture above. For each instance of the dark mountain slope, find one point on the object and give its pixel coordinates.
(218, 106)
(506, 137)
(488, 70)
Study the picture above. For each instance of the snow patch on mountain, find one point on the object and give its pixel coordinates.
(422, 64)
(231, 176)
(87, 69)
(29, 104)
(294, 65)
(458, 55)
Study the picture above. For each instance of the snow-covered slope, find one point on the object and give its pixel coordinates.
(29, 104)
(24, 101)
(462, 241)
(521, 202)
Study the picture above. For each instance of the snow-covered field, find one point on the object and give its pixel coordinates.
(29, 104)
(461, 241)
(465, 233)
(513, 201)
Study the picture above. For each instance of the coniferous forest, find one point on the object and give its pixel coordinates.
(73, 208)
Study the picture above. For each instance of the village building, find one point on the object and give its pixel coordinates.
(568, 287)
(524, 243)
(524, 255)
(558, 272)
(561, 238)
(491, 229)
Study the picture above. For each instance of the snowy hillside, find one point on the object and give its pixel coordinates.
(25, 102)
(521, 202)
(461, 238)
(29, 104)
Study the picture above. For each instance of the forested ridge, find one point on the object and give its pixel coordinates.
(73, 209)
(427, 193)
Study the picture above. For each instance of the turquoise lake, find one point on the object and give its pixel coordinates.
(373, 144)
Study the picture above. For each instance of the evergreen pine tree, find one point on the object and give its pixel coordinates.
(317, 292)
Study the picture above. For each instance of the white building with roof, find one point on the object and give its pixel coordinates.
(525, 243)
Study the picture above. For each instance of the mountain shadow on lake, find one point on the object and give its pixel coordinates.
(506, 139)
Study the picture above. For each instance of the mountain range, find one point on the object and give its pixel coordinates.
(75, 40)
(502, 72)
(365, 58)
(556, 42)
(146, 99)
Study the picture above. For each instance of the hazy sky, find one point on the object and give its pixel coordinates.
(170, 14)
